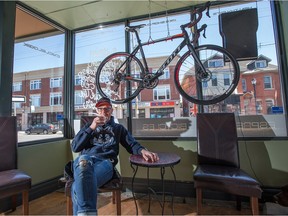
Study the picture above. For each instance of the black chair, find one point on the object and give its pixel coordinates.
(12, 180)
(218, 161)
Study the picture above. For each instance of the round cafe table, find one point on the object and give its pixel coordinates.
(165, 160)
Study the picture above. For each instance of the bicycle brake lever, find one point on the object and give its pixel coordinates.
(208, 7)
(203, 28)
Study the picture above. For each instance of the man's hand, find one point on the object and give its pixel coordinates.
(98, 120)
(149, 156)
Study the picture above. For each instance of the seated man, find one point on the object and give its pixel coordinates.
(98, 143)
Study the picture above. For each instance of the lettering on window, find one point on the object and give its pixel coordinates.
(88, 92)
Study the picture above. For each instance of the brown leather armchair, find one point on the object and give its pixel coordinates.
(12, 180)
(218, 161)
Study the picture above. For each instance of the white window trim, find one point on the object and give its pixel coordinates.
(33, 99)
(161, 87)
(18, 86)
(56, 82)
(58, 94)
(270, 82)
(36, 83)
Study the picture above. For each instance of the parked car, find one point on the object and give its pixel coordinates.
(44, 128)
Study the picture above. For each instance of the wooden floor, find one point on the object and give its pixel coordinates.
(55, 204)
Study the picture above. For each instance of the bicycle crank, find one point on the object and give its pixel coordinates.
(150, 81)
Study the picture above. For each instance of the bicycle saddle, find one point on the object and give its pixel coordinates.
(133, 28)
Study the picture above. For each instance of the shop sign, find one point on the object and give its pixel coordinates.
(164, 103)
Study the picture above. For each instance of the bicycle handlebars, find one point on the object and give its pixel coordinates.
(198, 12)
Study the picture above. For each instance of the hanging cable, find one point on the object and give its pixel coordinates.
(167, 21)
(150, 40)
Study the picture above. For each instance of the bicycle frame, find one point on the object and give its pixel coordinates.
(186, 42)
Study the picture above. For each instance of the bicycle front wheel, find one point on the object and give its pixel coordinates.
(217, 82)
(118, 77)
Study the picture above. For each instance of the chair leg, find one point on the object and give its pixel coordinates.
(199, 200)
(113, 197)
(254, 205)
(118, 201)
(69, 210)
(238, 203)
(25, 202)
(14, 202)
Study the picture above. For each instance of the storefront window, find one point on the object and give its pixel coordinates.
(234, 27)
(162, 104)
(38, 74)
(159, 110)
(92, 46)
(259, 72)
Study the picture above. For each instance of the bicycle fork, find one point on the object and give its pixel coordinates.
(201, 74)
(204, 73)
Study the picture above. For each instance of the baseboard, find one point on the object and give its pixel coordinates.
(186, 189)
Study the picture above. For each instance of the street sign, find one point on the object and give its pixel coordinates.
(277, 110)
(59, 117)
(21, 99)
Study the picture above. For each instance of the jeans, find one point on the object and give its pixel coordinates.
(89, 174)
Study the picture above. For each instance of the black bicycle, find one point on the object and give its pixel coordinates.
(204, 75)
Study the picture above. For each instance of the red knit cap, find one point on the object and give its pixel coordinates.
(104, 101)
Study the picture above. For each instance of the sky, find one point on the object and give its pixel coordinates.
(95, 45)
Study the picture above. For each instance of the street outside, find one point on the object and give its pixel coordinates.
(23, 137)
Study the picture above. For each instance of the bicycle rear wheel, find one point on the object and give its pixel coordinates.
(118, 77)
(219, 81)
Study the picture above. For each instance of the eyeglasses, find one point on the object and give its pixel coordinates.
(105, 109)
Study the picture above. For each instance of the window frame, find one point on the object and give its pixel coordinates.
(160, 88)
(55, 95)
(56, 82)
(214, 63)
(35, 100)
(267, 83)
(259, 63)
(15, 85)
(35, 84)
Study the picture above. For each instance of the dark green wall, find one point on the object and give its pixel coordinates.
(265, 160)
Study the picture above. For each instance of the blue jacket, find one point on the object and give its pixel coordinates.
(104, 141)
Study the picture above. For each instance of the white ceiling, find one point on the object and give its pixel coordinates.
(78, 14)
